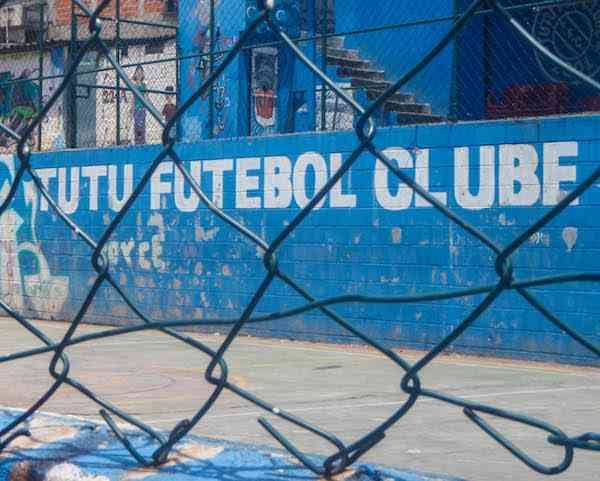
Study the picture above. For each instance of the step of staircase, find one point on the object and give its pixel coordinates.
(343, 53)
(370, 83)
(364, 76)
(347, 62)
(362, 73)
(416, 118)
(400, 97)
(335, 42)
(332, 43)
(405, 107)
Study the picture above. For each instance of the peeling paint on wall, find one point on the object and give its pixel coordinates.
(202, 234)
(569, 235)
(36, 288)
(540, 238)
(174, 256)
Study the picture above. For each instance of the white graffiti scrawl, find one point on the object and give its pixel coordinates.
(34, 289)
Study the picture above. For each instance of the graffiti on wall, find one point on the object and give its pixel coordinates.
(178, 260)
(156, 77)
(221, 99)
(20, 95)
(27, 283)
(264, 89)
(54, 123)
(19, 100)
(165, 238)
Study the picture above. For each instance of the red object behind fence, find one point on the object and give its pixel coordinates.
(529, 101)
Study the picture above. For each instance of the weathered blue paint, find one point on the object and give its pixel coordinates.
(177, 264)
(80, 450)
(201, 53)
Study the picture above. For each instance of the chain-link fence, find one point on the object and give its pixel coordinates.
(38, 43)
(486, 72)
(103, 111)
(269, 19)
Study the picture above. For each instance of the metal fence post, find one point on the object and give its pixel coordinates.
(325, 12)
(487, 59)
(40, 45)
(177, 78)
(71, 92)
(211, 95)
(118, 78)
(454, 88)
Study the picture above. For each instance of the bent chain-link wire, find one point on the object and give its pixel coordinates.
(217, 374)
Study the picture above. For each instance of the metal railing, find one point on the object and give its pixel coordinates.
(488, 73)
(97, 109)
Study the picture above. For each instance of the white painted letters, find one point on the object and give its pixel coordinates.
(337, 197)
(218, 168)
(278, 183)
(94, 173)
(519, 183)
(316, 162)
(158, 186)
(114, 202)
(515, 175)
(402, 199)
(68, 206)
(244, 183)
(187, 203)
(486, 193)
(45, 175)
(554, 173)
(422, 178)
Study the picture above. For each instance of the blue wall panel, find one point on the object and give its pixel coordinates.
(371, 236)
(416, 29)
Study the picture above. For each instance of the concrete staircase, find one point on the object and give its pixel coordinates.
(360, 74)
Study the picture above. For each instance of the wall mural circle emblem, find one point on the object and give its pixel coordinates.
(573, 33)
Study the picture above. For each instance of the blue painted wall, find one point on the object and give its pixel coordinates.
(294, 84)
(194, 43)
(485, 62)
(434, 84)
(371, 236)
(493, 58)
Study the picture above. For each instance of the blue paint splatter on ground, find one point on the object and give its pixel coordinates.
(71, 449)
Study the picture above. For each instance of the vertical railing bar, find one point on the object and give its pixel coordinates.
(324, 42)
(40, 46)
(118, 77)
(211, 68)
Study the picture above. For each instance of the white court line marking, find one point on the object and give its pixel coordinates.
(328, 408)
(53, 415)
(397, 403)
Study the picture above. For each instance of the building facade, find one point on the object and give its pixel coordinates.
(36, 44)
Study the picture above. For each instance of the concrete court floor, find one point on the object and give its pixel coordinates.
(346, 389)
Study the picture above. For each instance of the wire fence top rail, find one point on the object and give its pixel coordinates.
(343, 454)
